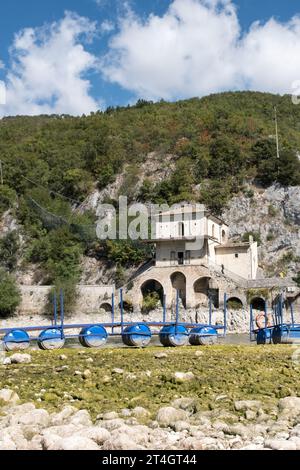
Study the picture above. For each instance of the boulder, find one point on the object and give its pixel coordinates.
(278, 444)
(19, 358)
(140, 412)
(183, 376)
(244, 405)
(9, 396)
(120, 442)
(169, 415)
(81, 418)
(78, 443)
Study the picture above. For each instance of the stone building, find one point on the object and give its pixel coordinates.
(193, 254)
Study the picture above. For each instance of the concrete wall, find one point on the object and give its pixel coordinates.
(90, 299)
(246, 263)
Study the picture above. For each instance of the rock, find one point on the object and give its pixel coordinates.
(199, 353)
(86, 374)
(180, 426)
(90, 360)
(120, 442)
(63, 431)
(6, 361)
(19, 358)
(277, 444)
(289, 406)
(81, 418)
(97, 434)
(16, 435)
(296, 441)
(140, 412)
(51, 442)
(9, 396)
(60, 418)
(78, 443)
(63, 357)
(6, 443)
(112, 424)
(245, 405)
(251, 415)
(187, 404)
(183, 376)
(160, 355)
(106, 379)
(118, 371)
(169, 415)
(110, 415)
(77, 372)
(34, 418)
(126, 413)
(137, 433)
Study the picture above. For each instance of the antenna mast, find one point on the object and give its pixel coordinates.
(277, 138)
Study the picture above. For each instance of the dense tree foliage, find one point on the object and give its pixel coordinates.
(10, 297)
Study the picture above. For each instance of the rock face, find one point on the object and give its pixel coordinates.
(177, 427)
(274, 213)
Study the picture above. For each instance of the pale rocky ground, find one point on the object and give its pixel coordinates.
(175, 427)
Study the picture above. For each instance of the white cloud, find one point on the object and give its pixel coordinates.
(49, 67)
(197, 48)
(106, 27)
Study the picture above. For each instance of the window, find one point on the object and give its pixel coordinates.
(194, 215)
(187, 257)
(172, 218)
(213, 231)
(181, 229)
(173, 258)
(236, 255)
(160, 217)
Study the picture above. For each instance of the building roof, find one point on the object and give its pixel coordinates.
(233, 245)
(189, 209)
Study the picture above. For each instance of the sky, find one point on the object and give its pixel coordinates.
(79, 56)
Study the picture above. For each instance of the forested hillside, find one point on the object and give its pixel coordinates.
(217, 144)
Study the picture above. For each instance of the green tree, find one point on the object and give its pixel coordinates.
(10, 297)
(9, 247)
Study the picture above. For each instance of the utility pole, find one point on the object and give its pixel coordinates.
(1, 172)
(277, 138)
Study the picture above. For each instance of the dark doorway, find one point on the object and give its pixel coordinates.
(180, 258)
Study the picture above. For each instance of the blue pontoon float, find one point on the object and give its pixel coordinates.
(275, 330)
(171, 333)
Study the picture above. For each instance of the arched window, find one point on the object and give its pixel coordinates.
(213, 231)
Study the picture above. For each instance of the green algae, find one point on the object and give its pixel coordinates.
(232, 372)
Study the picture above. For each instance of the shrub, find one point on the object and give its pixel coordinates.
(150, 302)
(10, 297)
(9, 246)
(255, 235)
(7, 198)
(70, 296)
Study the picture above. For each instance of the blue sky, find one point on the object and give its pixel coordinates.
(119, 57)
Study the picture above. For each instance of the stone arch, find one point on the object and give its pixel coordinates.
(106, 306)
(201, 290)
(151, 286)
(178, 281)
(258, 303)
(234, 303)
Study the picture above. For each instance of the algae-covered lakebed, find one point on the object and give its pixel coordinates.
(90, 379)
